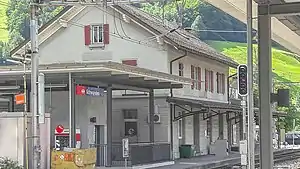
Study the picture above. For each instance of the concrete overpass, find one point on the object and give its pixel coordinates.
(285, 29)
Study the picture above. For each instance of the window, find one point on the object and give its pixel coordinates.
(96, 34)
(196, 76)
(209, 80)
(220, 83)
(180, 69)
(131, 122)
(180, 125)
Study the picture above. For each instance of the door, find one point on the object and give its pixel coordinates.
(99, 142)
(204, 139)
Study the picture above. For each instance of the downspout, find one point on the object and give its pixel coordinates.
(171, 105)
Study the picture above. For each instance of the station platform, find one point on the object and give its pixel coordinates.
(203, 162)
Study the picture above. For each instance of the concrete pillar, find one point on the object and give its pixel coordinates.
(221, 126)
(151, 116)
(229, 131)
(109, 126)
(196, 129)
(265, 86)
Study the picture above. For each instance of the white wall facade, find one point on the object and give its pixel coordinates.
(67, 45)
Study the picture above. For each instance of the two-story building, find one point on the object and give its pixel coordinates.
(198, 114)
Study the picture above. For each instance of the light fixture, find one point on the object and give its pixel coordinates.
(56, 85)
(9, 87)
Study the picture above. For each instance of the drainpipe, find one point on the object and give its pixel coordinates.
(171, 106)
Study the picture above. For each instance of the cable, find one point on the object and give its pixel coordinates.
(116, 28)
(121, 24)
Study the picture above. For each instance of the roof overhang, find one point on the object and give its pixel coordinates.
(285, 29)
(223, 106)
(97, 74)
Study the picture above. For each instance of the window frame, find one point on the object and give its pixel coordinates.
(196, 81)
(180, 126)
(220, 83)
(180, 69)
(92, 34)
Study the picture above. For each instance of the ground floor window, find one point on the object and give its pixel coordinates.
(180, 126)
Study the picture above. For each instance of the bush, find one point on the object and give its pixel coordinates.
(6, 163)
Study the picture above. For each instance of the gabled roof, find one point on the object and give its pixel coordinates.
(181, 39)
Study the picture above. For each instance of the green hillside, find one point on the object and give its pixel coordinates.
(285, 64)
(3, 20)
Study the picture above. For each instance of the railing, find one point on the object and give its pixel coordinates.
(140, 153)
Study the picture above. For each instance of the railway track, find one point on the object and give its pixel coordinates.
(279, 156)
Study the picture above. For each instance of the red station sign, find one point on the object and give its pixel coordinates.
(59, 128)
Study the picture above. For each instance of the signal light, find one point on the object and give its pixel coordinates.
(242, 80)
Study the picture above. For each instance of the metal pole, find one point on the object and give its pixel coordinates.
(250, 105)
(265, 69)
(41, 100)
(243, 104)
(294, 123)
(70, 110)
(26, 120)
(34, 84)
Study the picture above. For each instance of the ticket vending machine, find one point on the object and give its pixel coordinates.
(62, 139)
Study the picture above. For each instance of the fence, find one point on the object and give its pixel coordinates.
(140, 153)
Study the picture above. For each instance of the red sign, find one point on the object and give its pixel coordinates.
(20, 98)
(80, 90)
(59, 128)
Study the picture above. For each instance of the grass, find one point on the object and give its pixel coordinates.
(3, 21)
(285, 64)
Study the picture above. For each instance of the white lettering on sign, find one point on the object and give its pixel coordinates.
(92, 91)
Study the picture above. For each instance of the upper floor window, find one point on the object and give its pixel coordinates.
(220, 83)
(180, 69)
(209, 80)
(97, 34)
(196, 76)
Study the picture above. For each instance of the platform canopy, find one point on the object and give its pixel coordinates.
(120, 76)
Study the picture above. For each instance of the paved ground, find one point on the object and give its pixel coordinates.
(204, 161)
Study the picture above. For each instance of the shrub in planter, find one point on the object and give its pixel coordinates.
(6, 163)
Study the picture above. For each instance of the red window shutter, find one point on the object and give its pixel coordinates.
(206, 80)
(106, 33)
(212, 81)
(223, 84)
(193, 76)
(199, 78)
(130, 62)
(218, 82)
(87, 35)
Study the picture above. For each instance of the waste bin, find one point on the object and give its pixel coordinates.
(186, 151)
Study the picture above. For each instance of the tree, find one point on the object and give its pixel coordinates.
(18, 20)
